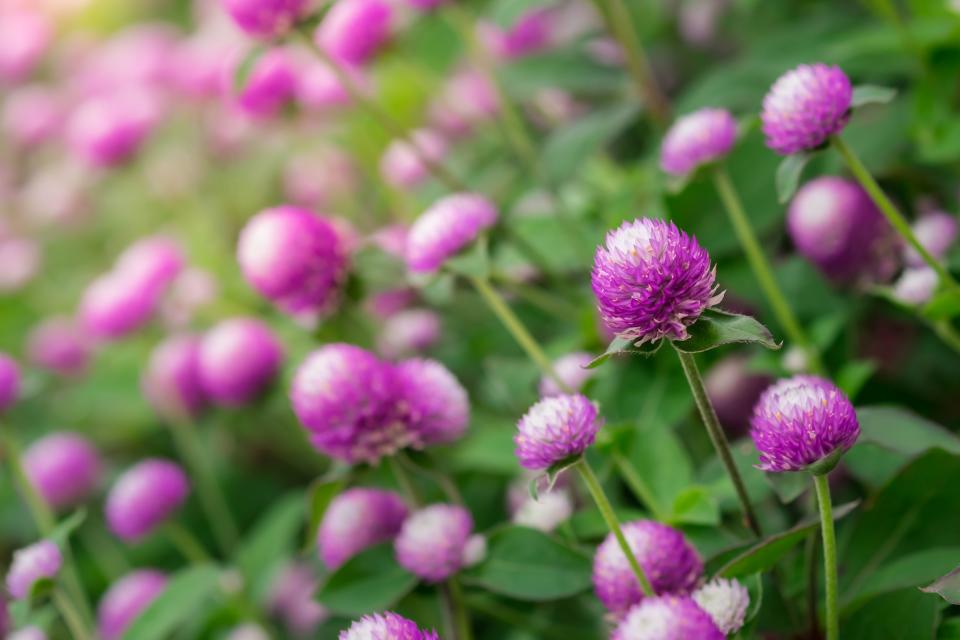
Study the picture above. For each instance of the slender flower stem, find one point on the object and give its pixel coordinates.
(606, 510)
(519, 332)
(810, 561)
(761, 268)
(893, 215)
(947, 333)
(458, 619)
(719, 439)
(186, 543)
(71, 616)
(403, 479)
(832, 623)
(110, 557)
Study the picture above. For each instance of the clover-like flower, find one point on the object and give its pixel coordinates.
(356, 519)
(667, 617)
(805, 106)
(556, 429)
(433, 542)
(697, 139)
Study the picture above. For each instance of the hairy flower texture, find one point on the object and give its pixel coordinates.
(58, 345)
(63, 467)
(801, 420)
(433, 541)
(697, 139)
(9, 381)
(572, 369)
(408, 332)
(270, 84)
(670, 563)
(352, 31)
(144, 497)
(452, 223)
(936, 231)
(357, 519)
(386, 626)
(293, 257)
(554, 429)
(171, 381)
(40, 561)
(667, 617)
(239, 358)
(126, 599)
(265, 18)
(835, 225)
(804, 107)
(106, 130)
(434, 405)
(346, 398)
(652, 281)
(406, 162)
(726, 601)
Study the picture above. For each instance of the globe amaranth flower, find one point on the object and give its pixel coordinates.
(40, 561)
(20, 259)
(548, 511)
(58, 345)
(144, 497)
(352, 31)
(936, 231)
(115, 305)
(406, 162)
(434, 404)
(154, 260)
(107, 129)
(32, 115)
(835, 225)
(532, 32)
(652, 281)
(9, 381)
(667, 617)
(291, 598)
(452, 223)
(408, 332)
(64, 468)
(697, 139)
(27, 633)
(467, 98)
(801, 421)
(670, 563)
(24, 37)
(556, 429)
(126, 599)
(386, 626)
(269, 85)
(726, 601)
(357, 519)
(805, 106)
(916, 285)
(733, 390)
(192, 290)
(433, 541)
(265, 18)
(346, 398)
(293, 257)
(239, 358)
(248, 631)
(316, 179)
(572, 370)
(171, 381)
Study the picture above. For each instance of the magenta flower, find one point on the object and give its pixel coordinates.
(556, 429)
(652, 281)
(936, 231)
(270, 84)
(805, 106)
(433, 541)
(352, 31)
(32, 115)
(317, 178)
(356, 520)
(435, 405)
(386, 626)
(239, 358)
(108, 129)
(24, 37)
(667, 617)
(293, 257)
(115, 305)
(408, 332)
(726, 602)
(916, 285)
(468, 98)
(452, 223)
(171, 381)
(58, 345)
(668, 560)
(9, 381)
(531, 33)
(319, 87)
(40, 561)
(265, 18)
(63, 467)
(144, 497)
(402, 164)
(801, 421)
(697, 139)
(291, 598)
(572, 369)
(126, 599)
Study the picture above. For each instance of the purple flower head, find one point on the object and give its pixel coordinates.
(425, 5)
(936, 231)
(555, 429)
(697, 139)
(171, 381)
(39, 561)
(265, 18)
(835, 225)
(733, 390)
(667, 617)
(452, 223)
(408, 332)
(726, 602)
(294, 258)
(804, 107)
(155, 260)
(291, 597)
(108, 129)
(126, 599)
(9, 381)
(144, 497)
(32, 115)
(317, 178)
(571, 368)
(916, 285)
(670, 563)
(356, 520)
(652, 281)
(402, 164)
(239, 358)
(800, 421)
(63, 467)
(19, 262)
(270, 84)
(58, 345)
(24, 37)
(386, 626)
(433, 540)
(346, 398)
(531, 33)
(435, 405)
(115, 305)
(353, 30)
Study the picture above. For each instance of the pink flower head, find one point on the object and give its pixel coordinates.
(667, 617)
(24, 37)
(154, 261)
(238, 359)
(697, 139)
(572, 369)
(171, 381)
(556, 429)
(291, 597)
(467, 99)
(126, 599)
(432, 541)
(40, 561)
(317, 178)
(32, 115)
(115, 305)
(319, 88)
(108, 129)
(805, 106)
(9, 382)
(435, 405)
(531, 33)
(357, 519)
(63, 467)
(58, 345)
(386, 626)
(352, 31)
(452, 223)
(408, 332)
(20, 259)
(936, 231)
(406, 162)
(144, 497)
(265, 18)
(269, 85)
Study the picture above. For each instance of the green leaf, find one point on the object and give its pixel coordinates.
(319, 496)
(569, 69)
(473, 262)
(788, 486)
(530, 565)
(901, 615)
(186, 595)
(62, 532)
(370, 581)
(947, 587)
(272, 539)
(505, 13)
(913, 570)
(716, 328)
(903, 431)
(788, 175)
(588, 524)
(695, 505)
(243, 70)
(624, 346)
(854, 374)
(944, 305)
(551, 475)
(568, 146)
(865, 94)
(40, 590)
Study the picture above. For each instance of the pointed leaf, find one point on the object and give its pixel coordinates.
(473, 262)
(243, 70)
(624, 346)
(62, 532)
(865, 94)
(272, 539)
(788, 175)
(903, 431)
(716, 328)
(185, 596)
(947, 587)
(943, 305)
(370, 581)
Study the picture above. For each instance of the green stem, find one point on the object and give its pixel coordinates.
(889, 210)
(810, 560)
(832, 623)
(638, 486)
(186, 543)
(519, 332)
(547, 303)
(110, 558)
(761, 268)
(606, 510)
(71, 616)
(947, 333)
(719, 439)
(403, 479)
(456, 612)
